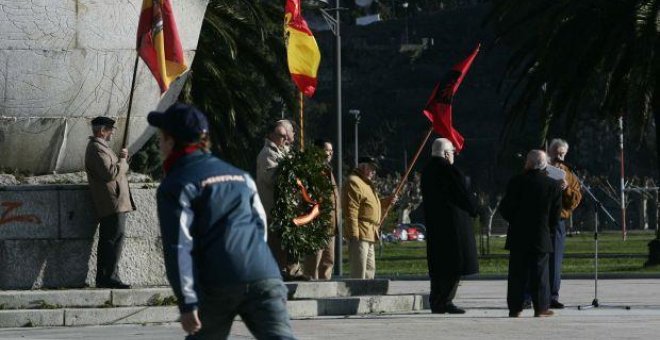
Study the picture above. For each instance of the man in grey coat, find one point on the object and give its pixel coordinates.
(108, 184)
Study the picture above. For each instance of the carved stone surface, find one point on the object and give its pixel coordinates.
(64, 62)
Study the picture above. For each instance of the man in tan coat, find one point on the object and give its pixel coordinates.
(319, 266)
(108, 184)
(570, 199)
(362, 209)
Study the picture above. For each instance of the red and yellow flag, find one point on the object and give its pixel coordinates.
(158, 42)
(303, 53)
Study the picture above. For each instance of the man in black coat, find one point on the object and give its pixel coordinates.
(531, 205)
(450, 246)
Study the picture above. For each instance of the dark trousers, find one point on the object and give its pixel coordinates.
(288, 266)
(556, 258)
(261, 305)
(528, 269)
(111, 242)
(443, 290)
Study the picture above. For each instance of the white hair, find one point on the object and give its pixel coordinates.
(557, 143)
(536, 159)
(440, 146)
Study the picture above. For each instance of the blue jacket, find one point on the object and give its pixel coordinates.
(213, 228)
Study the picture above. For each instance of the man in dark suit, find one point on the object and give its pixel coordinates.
(531, 205)
(450, 246)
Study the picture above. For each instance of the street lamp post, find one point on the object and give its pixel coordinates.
(356, 114)
(334, 23)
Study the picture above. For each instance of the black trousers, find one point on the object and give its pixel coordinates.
(443, 290)
(528, 269)
(111, 242)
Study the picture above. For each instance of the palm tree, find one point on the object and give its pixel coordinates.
(239, 76)
(571, 54)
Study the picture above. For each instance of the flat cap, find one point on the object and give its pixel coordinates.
(103, 121)
(369, 160)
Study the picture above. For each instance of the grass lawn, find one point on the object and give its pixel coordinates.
(409, 258)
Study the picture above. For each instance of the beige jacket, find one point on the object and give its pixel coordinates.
(362, 209)
(572, 195)
(106, 175)
(267, 161)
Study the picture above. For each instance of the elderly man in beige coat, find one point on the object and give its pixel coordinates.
(363, 209)
(276, 145)
(108, 184)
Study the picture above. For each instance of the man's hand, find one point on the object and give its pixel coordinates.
(564, 184)
(190, 322)
(123, 153)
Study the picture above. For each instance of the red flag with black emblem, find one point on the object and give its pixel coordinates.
(438, 109)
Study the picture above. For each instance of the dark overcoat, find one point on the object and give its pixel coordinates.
(531, 205)
(448, 207)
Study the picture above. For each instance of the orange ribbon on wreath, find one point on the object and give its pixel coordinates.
(312, 214)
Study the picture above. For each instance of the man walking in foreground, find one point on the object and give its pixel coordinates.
(531, 205)
(214, 238)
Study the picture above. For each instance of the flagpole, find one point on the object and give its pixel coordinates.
(130, 103)
(405, 177)
(302, 122)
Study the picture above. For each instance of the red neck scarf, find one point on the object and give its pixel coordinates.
(176, 154)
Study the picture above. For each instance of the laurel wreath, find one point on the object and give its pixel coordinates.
(309, 169)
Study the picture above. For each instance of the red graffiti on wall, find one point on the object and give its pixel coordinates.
(6, 216)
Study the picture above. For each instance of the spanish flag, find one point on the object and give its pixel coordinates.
(303, 54)
(158, 42)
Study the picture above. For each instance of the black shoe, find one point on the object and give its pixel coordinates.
(513, 314)
(113, 284)
(448, 309)
(527, 304)
(554, 304)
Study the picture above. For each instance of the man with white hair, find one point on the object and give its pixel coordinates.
(570, 199)
(448, 207)
(531, 205)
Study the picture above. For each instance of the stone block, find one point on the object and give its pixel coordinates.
(37, 24)
(341, 306)
(48, 299)
(28, 214)
(31, 318)
(125, 315)
(356, 287)
(302, 309)
(367, 305)
(103, 24)
(141, 263)
(29, 264)
(311, 290)
(140, 297)
(143, 222)
(77, 213)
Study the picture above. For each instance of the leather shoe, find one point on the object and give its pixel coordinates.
(513, 314)
(544, 313)
(113, 284)
(448, 309)
(554, 304)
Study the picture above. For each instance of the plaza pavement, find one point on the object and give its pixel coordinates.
(486, 318)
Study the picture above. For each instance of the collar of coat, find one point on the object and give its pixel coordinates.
(273, 147)
(359, 174)
(100, 141)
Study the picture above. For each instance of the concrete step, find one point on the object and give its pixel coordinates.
(298, 309)
(87, 298)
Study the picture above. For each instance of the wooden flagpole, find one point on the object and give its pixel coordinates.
(302, 122)
(130, 103)
(405, 177)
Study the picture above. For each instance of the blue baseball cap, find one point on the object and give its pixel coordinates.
(185, 122)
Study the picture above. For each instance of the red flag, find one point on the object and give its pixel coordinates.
(158, 42)
(438, 109)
